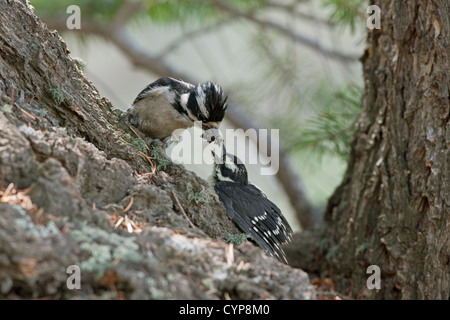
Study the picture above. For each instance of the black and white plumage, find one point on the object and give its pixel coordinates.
(168, 104)
(249, 207)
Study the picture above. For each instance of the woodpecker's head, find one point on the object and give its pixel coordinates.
(206, 103)
(229, 168)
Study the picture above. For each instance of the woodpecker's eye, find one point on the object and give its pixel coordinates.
(213, 138)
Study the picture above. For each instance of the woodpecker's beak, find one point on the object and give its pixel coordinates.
(218, 159)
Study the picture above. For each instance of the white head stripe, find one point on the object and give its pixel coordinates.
(183, 102)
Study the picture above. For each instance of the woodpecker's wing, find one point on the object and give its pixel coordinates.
(175, 85)
(256, 215)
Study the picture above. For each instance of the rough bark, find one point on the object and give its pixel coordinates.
(70, 172)
(392, 208)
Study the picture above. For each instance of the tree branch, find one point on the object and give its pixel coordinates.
(126, 12)
(311, 43)
(137, 55)
(192, 34)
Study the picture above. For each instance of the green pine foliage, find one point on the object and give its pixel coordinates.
(158, 11)
(96, 10)
(331, 129)
(346, 12)
(188, 11)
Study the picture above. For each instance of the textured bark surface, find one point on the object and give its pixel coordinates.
(70, 170)
(393, 207)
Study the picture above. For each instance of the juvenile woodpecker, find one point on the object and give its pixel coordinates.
(249, 207)
(168, 104)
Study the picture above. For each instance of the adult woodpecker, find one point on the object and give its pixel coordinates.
(167, 104)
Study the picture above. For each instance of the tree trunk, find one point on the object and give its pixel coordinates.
(392, 208)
